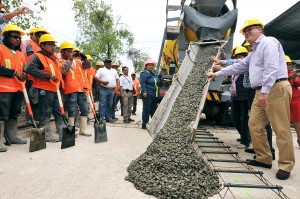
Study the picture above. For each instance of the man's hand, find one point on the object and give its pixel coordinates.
(54, 78)
(217, 67)
(292, 76)
(22, 10)
(217, 61)
(263, 100)
(211, 75)
(105, 83)
(145, 94)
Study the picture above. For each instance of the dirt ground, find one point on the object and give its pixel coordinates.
(91, 170)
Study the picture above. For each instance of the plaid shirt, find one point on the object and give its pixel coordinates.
(246, 80)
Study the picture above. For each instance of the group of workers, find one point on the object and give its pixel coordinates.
(269, 73)
(50, 77)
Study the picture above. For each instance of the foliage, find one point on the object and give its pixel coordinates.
(138, 58)
(25, 21)
(100, 35)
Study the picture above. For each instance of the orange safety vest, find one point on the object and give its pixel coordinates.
(90, 75)
(51, 67)
(75, 80)
(136, 84)
(10, 61)
(35, 47)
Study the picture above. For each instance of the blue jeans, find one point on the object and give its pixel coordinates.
(106, 103)
(75, 100)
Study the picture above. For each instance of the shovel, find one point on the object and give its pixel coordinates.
(68, 136)
(37, 135)
(100, 129)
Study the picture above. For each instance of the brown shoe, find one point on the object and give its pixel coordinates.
(282, 174)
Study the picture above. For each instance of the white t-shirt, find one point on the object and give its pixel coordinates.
(109, 75)
(126, 82)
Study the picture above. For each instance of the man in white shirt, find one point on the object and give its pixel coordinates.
(108, 79)
(126, 89)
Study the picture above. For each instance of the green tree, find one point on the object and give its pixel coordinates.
(100, 35)
(138, 57)
(25, 21)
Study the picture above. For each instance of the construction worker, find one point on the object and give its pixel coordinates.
(6, 17)
(29, 47)
(12, 63)
(116, 94)
(47, 70)
(90, 74)
(99, 64)
(136, 86)
(294, 80)
(126, 88)
(150, 91)
(269, 77)
(76, 84)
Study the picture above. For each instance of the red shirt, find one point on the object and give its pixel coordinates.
(295, 85)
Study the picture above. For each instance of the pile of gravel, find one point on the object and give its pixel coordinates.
(170, 168)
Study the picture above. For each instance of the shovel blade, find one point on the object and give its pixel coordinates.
(100, 132)
(37, 139)
(68, 137)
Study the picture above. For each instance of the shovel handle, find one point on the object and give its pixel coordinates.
(91, 105)
(61, 106)
(26, 100)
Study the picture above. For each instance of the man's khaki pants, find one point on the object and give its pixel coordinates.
(278, 113)
(127, 105)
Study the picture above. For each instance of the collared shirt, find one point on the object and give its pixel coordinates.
(266, 64)
(126, 82)
(3, 22)
(109, 75)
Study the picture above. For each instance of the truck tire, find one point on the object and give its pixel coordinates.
(223, 117)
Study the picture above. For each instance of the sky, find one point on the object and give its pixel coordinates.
(146, 19)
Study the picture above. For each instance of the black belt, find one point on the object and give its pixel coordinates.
(129, 91)
(277, 80)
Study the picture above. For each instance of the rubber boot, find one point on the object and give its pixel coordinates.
(2, 147)
(11, 127)
(49, 137)
(77, 119)
(59, 127)
(83, 125)
(71, 121)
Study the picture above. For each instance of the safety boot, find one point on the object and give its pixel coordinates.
(59, 127)
(2, 147)
(49, 137)
(83, 125)
(11, 127)
(71, 121)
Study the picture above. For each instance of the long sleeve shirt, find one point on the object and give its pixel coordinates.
(266, 64)
(149, 83)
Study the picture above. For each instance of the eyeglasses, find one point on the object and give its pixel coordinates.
(248, 29)
(15, 37)
(50, 44)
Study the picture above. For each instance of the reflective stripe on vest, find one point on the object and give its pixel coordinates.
(12, 61)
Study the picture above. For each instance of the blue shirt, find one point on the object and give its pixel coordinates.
(149, 83)
(266, 63)
(3, 22)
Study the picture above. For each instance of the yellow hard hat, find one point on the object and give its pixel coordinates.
(99, 63)
(66, 45)
(246, 43)
(233, 49)
(77, 50)
(12, 28)
(89, 57)
(41, 29)
(33, 30)
(251, 22)
(46, 38)
(287, 59)
(240, 50)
